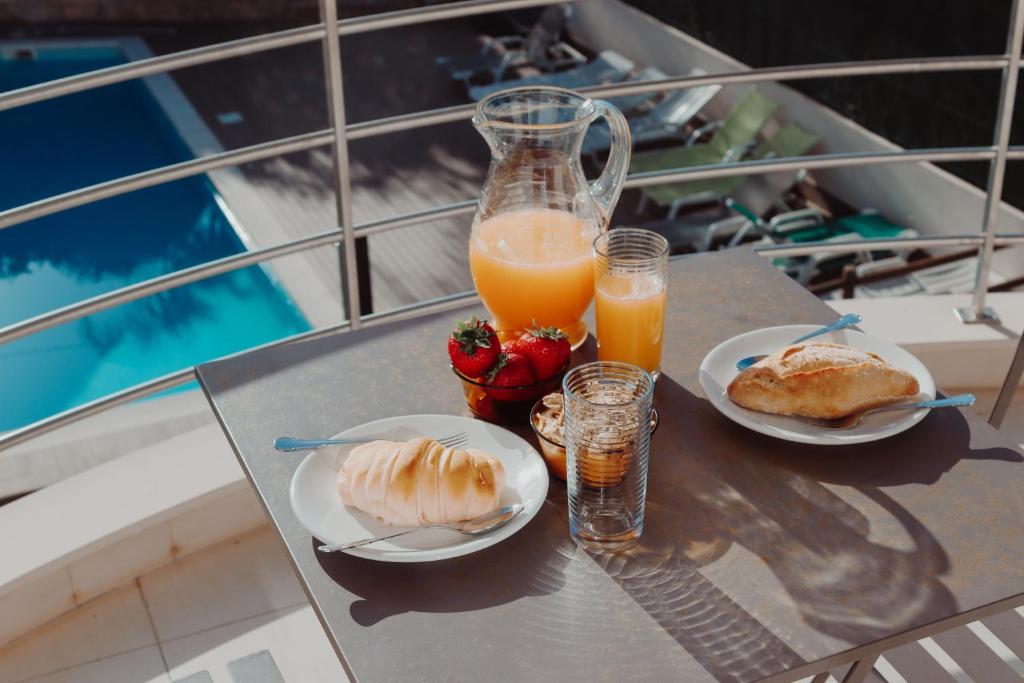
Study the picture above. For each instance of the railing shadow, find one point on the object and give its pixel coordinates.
(710, 492)
(455, 585)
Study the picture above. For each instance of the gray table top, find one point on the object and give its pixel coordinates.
(759, 557)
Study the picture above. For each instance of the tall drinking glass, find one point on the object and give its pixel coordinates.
(607, 416)
(630, 283)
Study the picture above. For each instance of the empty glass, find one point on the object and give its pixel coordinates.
(607, 440)
(630, 282)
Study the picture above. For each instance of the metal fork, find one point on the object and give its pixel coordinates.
(287, 443)
(851, 421)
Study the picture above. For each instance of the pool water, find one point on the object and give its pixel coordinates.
(85, 138)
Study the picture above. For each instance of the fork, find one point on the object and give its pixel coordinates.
(851, 421)
(288, 443)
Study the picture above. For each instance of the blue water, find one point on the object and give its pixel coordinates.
(86, 138)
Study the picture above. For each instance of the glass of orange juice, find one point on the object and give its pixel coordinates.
(631, 284)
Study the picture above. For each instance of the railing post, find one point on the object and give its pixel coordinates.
(978, 312)
(342, 177)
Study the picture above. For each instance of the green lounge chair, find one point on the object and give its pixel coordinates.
(664, 122)
(729, 142)
(809, 226)
(789, 141)
(759, 191)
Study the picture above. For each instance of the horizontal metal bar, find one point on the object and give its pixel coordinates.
(153, 386)
(322, 138)
(433, 117)
(160, 64)
(162, 283)
(203, 271)
(804, 72)
(417, 120)
(807, 248)
(185, 375)
(164, 174)
(446, 211)
(423, 15)
(1009, 239)
(818, 161)
(250, 45)
(422, 119)
(740, 168)
(210, 269)
(438, 305)
(23, 434)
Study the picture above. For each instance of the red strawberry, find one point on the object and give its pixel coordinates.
(548, 350)
(473, 347)
(511, 370)
(514, 346)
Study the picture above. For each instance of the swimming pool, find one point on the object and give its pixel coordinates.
(85, 138)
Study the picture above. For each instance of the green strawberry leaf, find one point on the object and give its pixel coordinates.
(546, 332)
(501, 363)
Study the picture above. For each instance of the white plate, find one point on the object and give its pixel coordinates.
(719, 368)
(316, 503)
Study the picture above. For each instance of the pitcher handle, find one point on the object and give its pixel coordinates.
(607, 188)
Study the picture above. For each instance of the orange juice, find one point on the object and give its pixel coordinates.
(534, 264)
(630, 311)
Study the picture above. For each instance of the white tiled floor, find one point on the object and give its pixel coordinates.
(144, 665)
(299, 647)
(198, 614)
(242, 578)
(112, 624)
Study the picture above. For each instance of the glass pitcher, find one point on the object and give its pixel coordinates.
(530, 248)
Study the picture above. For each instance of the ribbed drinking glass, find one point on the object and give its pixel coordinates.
(607, 440)
(630, 288)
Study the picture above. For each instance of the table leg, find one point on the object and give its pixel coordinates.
(860, 669)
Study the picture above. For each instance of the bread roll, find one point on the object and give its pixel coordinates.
(821, 380)
(420, 482)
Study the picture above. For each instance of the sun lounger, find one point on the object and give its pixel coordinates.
(607, 67)
(789, 141)
(541, 47)
(730, 141)
(664, 121)
(808, 225)
(631, 103)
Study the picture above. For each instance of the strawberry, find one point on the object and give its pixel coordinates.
(473, 347)
(548, 350)
(511, 370)
(514, 346)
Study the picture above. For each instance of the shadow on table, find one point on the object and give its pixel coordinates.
(484, 579)
(714, 484)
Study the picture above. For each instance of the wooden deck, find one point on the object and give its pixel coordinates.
(281, 93)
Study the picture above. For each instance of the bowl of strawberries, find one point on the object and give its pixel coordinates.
(504, 373)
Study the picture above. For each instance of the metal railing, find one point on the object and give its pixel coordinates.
(344, 234)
